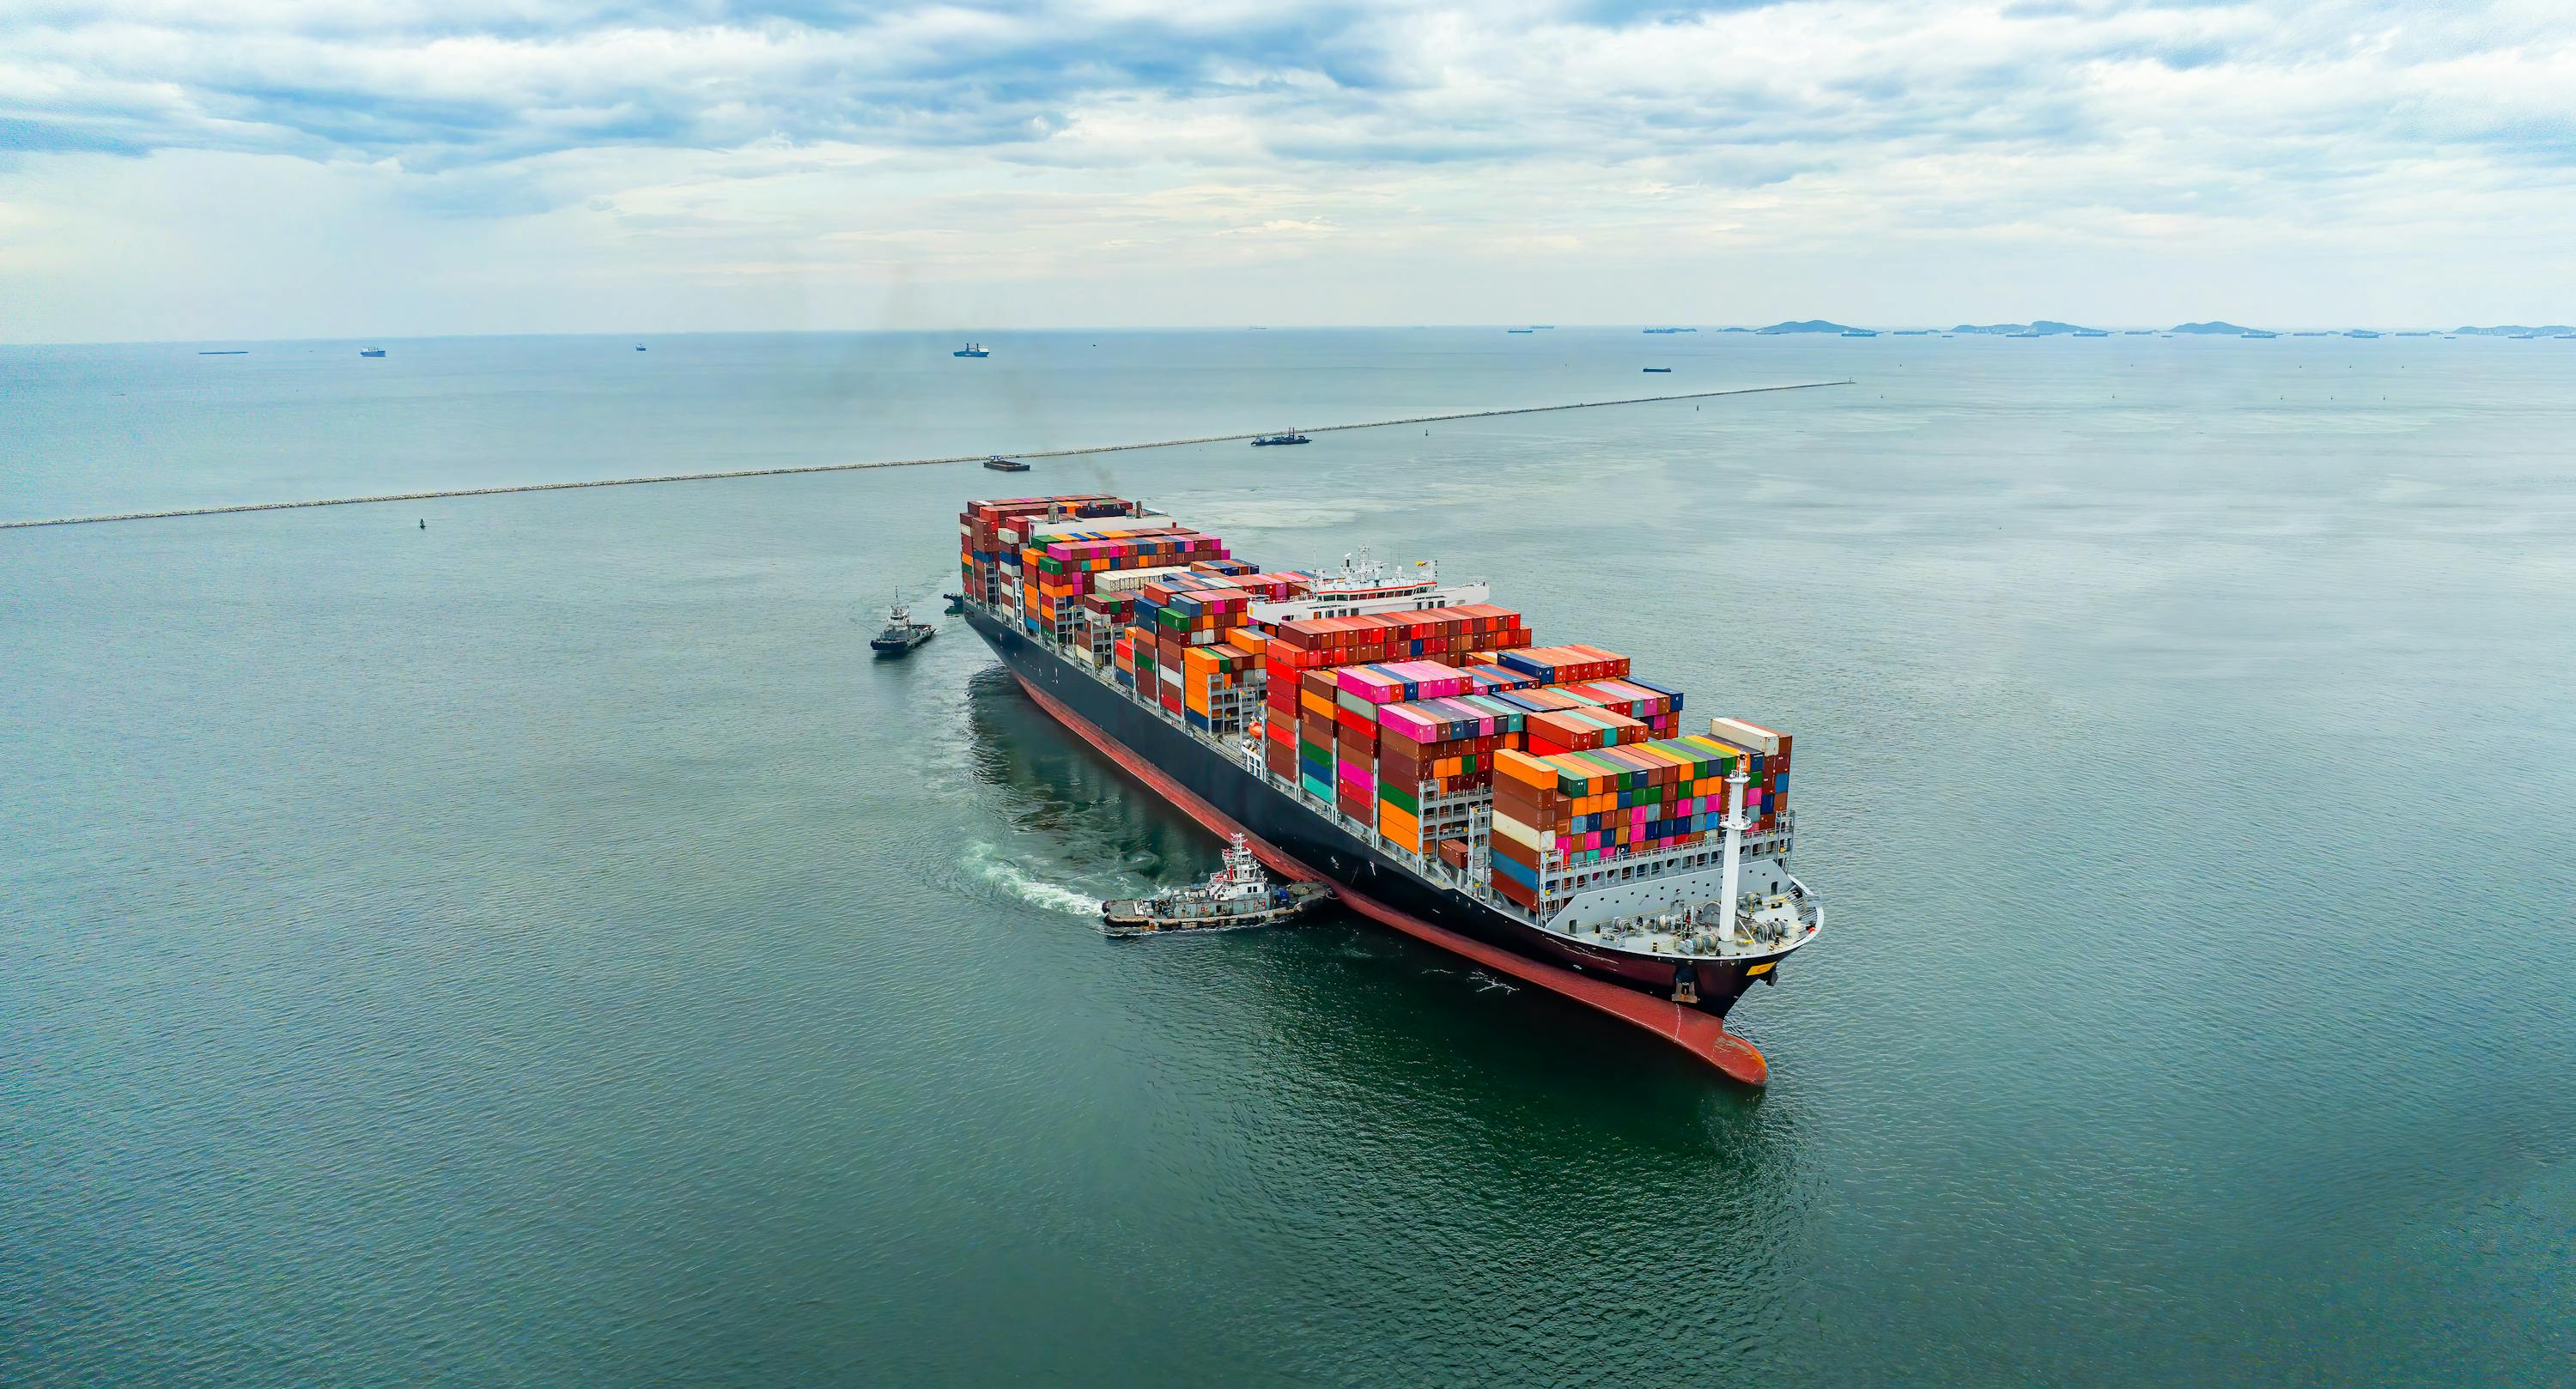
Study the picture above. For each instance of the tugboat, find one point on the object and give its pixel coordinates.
(901, 633)
(1235, 896)
(1285, 437)
(972, 349)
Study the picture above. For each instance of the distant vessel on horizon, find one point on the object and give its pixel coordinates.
(371, 352)
(1284, 437)
(1860, 332)
(972, 349)
(2258, 333)
(1672, 330)
(227, 352)
(1520, 330)
(2091, 333)
(639, 347)
(1665, 370)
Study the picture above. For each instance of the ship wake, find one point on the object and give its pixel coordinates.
(988, 864)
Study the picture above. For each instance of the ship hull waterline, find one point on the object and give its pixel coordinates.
(1294, 840)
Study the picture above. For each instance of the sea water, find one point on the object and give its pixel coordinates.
(544, 948)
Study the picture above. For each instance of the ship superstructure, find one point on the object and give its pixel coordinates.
(1539, 808)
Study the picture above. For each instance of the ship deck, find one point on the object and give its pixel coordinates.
(1775, 934)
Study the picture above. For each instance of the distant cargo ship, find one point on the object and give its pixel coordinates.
(227, 352)
(1280, 440)
(371, 352)
(1520, 330)
(1860, 332)
(2091, 333)
(972, 349)
(1672, 330)
(2258, 333)
(1658, 370)
(1539, 810)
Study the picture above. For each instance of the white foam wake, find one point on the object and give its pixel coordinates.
(989, 865)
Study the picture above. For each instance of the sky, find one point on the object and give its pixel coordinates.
(201, 169)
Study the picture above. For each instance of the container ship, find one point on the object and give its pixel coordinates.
(1540, 809)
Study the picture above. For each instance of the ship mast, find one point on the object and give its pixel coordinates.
(1727, 879)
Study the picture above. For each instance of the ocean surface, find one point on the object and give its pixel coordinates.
(543, 949)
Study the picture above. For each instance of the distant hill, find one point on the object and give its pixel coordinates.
(2513, 330)
(2043, 327)
(2215, 325)
(1803, 325)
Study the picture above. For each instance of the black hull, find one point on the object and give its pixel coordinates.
(1304, 834)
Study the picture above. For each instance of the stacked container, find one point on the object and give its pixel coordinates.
(990, 536)
(1565, 665)
(1577, 808)
(1059, 566)
(1768, 751)
(1324, 643)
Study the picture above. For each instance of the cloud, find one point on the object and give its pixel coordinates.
(1046, 138)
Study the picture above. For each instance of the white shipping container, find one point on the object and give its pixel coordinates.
(1745, 735)
(1527, 836)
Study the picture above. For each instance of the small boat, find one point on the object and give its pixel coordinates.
(1284, 437)
(371, 352)
(956, 602)
(901, 633)
(1661, 371)
(972, 349)
(1000, 464)
(639, 347)
(1235, 896)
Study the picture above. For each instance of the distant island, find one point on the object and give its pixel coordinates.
(2050, 327)
(2045, 327)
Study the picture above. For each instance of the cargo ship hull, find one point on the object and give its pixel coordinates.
(1303, 842)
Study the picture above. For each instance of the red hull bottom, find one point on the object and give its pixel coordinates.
(1698, 1033)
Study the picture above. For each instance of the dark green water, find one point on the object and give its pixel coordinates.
(543, 949)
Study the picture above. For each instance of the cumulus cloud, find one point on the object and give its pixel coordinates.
(1046, 137)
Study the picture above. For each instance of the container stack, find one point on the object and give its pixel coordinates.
(1209, 674)
(1565, 665)
(1298, 649)
(1767, 799)
(1433, 748)
(1570, 809)
(990, 536)
(1059, 565)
